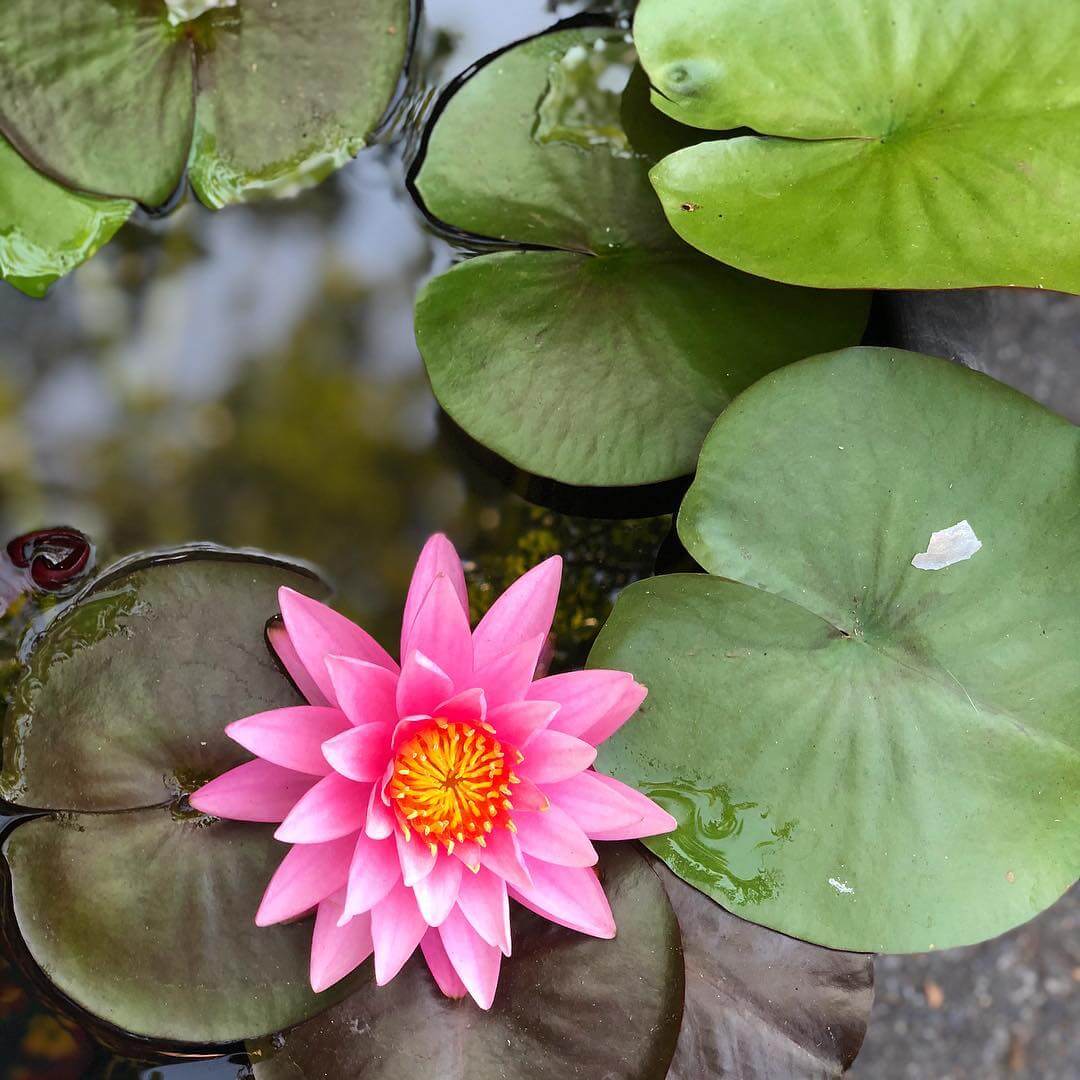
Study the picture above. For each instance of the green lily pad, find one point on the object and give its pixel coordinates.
(112, 97)
(567, 1005)
(147, 921)
(860, 752)
(915, 146)
(124, 696)
(140, 911)
(45, 230)
(604, 359)
(760, 1005)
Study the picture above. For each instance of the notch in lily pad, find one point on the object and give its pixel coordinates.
(139, 911)
(890, 758)
(909, 147)
(595, 348)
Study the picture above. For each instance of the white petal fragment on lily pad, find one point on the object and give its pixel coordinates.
(181, 11)
(951, 545)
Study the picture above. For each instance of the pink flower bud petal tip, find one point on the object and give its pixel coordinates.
(420, 799)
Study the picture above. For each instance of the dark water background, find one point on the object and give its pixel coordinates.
(251, 378)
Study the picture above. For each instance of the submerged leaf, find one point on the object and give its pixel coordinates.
(860, 753)
(915, 146)
(605, 359)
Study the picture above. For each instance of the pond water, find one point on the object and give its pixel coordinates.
(251, 378)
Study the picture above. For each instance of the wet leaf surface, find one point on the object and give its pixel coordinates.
(859, 752)
(567, 1006)
(46, 230)
(604, 358)
(901, 146)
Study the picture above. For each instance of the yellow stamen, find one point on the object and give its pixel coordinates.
(445, 775)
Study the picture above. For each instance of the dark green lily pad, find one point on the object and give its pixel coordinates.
(916, 146)
(760, 1005)
(110, 97)
(604, 359)
(126, 694)
(46, 230)
(567, 1005)
(145, 917)
(147, 921)
(860, 752)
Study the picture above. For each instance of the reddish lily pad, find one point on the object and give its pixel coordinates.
(568, 1005)
(145, 917)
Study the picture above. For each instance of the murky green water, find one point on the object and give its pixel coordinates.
(250, 377)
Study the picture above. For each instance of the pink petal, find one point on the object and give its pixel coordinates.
(361, 753)
(416, 857)
(380, 818)
(441, 632)
(617, 715)
(555, 837)
(291, 738)
(586, 697)
(336, 950)
(517, 721)
(365, 691)
(469, 854)
(396, 928)
(373, 872)
(551, 756)
(594, 805)
(654, 820)
(468, 707)
(437, 893)
(568, 895)
(279, 640)
(333, 807)
(405, 729)
(438, 557)
(254, 791)
(484, 902)
(423, 684)
(523, 612)
(507, 677)
(476, 962)
(527, 796)
(502, 856)
(317, 631)
(308, 874)
(446, 978)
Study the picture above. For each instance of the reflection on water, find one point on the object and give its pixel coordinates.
(250, 377)
(723, 846)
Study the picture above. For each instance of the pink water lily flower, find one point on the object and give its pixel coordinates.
(419, 799)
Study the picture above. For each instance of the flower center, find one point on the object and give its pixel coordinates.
(452, 783)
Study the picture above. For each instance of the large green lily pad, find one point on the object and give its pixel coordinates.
(111, 97)
(919, 145)
(860, 752)
(45, 230)
(760, 1005)
(567, 1005)
(603, 358)
(138, 910)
